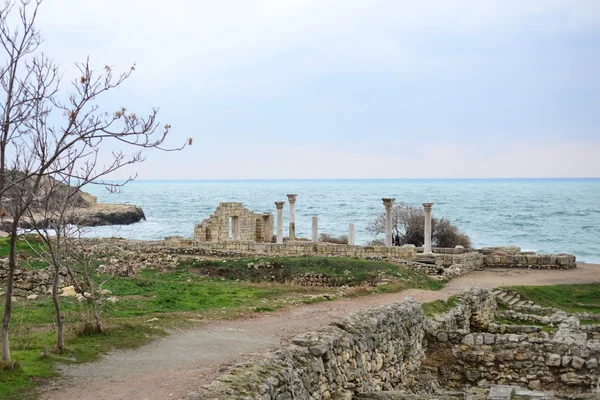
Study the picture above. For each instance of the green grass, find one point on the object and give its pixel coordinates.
(505, 321)
(28, 345)
(353, 271)
(28, 247)
(570, 298)
(439, 306)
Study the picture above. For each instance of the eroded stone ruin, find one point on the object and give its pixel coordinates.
(397, 352)
(233, 230)
(233, 221)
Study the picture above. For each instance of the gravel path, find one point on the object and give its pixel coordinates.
(170, 368)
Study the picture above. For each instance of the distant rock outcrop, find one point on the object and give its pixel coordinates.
(86, 211)
(108, 214)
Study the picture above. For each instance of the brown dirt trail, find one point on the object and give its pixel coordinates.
(170, 368)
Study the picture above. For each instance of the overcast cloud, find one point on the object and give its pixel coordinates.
(351, 89)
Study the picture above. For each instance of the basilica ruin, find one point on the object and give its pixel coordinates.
(233, 221)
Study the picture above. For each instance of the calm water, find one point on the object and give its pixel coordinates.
(544, 215)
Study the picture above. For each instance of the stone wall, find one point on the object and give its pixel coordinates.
(529, 260)
(245, 225)
(289, 249)
(370, 351)
(511, 257)
(27, 282)
(566, 360)
(449, 265)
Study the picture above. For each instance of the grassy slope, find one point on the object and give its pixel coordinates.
(359, 271)
(27, 248)
(439, 306)
(570, 298)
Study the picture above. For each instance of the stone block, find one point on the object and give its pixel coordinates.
(553, 360)
(592, 363)
(577, 362)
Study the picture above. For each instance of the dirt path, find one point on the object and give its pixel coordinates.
(172, 367)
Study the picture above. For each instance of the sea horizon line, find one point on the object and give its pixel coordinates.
(360, 179)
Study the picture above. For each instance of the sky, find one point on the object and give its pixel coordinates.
(290, 89)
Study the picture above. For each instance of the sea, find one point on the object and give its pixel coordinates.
(542, 215)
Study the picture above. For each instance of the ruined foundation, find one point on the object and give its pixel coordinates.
(397, 352)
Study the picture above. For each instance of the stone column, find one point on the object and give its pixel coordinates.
(315, 229)
(292, 200)
(388, 203)
(351, 237)
(427, 244)
(279, 205)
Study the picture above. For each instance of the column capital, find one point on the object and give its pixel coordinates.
(279, 204)
(292, 198)
(388, 202)
(427, 206)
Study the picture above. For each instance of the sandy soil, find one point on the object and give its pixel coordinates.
(176, 365)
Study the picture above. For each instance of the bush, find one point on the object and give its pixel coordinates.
(408, 227)
(326, 237)
(376, 242)
(447, 235)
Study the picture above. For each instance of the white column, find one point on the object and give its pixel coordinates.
(315, 229)
(292, 233)
(351, 237)
(427, 244)
(388, 203)
(279, 205)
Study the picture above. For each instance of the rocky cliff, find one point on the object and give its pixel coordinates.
(83, 209)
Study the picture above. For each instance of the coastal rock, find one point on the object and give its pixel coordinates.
(108, 214)
(84, 209)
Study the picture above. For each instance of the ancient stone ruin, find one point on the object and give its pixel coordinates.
(233, 221)
(397, 352)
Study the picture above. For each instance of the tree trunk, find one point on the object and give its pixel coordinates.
(93, 297)
(9, 293)
(97, 317)
(60, 320)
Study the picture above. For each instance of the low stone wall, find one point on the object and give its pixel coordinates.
(529, 260)
(290, 249)
(447, 262)
(453, 265)
(565, 361)
(511, 257)
(370, 351)
(27, 282)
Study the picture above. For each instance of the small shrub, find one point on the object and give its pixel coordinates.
(83, 329)
(376, 242)
(448, 235)
(358, 290)
(326, 237)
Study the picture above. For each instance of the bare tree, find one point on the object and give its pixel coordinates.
(89, 145)
(407, 224)
(26, 82)
(408, 227)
